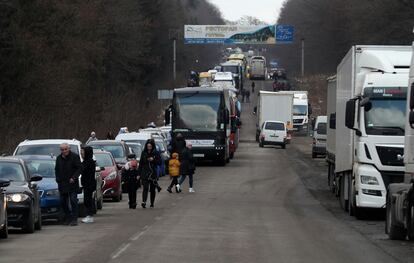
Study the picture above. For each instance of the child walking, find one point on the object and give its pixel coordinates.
(174, 170)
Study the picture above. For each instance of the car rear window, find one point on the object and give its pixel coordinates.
(116, 150)
(103, 160)
(275, 126)
(321, 129)
(43, 149)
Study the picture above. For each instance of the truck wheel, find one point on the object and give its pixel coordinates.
(343, 203)
(331, 178)
(4, 233)
(394, 231)
(410, 218)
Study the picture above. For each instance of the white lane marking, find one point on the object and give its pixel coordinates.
(139, 234)
(121, 250)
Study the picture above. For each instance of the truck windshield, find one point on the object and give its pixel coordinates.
(197, 111)
(386, 117)
(299, 110)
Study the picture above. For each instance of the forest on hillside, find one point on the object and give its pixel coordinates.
(69, 67)
(331, 27)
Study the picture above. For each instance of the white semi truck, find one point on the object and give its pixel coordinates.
(301, 110)
(273, 106)
(331, 129)
(371, 96)
(400, 197)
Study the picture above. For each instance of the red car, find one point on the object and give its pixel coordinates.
(111, 175)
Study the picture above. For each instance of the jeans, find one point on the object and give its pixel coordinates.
(190, 178)
(88, 201)
(150, 186)
(69, 203)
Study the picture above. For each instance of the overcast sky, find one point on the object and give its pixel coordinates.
(266, 10)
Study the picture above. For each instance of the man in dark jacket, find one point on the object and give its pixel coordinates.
(178, 144)
(187, 167)
(68, 167)
(88, 181)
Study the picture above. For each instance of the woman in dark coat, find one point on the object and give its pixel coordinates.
(88, 182)
(147, 171)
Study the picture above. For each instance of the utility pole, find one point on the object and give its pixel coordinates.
(303, 58)
(175, 59)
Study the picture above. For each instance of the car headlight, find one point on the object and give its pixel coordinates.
(370, 180)
(54, 192)
(17, 198)
(111, 176)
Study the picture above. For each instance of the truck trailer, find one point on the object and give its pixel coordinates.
(371, 96)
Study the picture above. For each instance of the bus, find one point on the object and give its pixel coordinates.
(258, 68)
(202, 116)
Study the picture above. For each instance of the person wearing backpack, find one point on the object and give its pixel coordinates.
(174, 170)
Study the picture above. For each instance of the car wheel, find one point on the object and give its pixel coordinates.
(38, 224)
(94, 205)
(394, 231)
(117, 198)
(284, 146)
(29, 223)
(4, 232)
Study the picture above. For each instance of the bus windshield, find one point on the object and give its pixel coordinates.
(197, 111)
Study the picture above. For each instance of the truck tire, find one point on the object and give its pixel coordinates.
(331, 178)
(394, 231)
(342, 202)
(410, 217)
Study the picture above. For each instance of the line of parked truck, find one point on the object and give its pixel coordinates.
(369, 146)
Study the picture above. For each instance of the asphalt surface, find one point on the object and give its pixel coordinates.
(267, 205)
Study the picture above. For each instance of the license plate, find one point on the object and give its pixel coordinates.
(198, 155)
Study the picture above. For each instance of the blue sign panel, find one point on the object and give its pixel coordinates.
(284, 34)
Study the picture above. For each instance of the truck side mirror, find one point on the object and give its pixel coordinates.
(411, 119)
(332, 121)
(350, 114)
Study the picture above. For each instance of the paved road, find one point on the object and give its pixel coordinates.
(267, 205)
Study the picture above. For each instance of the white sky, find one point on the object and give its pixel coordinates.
(266, 10)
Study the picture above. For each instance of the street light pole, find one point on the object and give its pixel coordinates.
(303, 58)
(175, 59)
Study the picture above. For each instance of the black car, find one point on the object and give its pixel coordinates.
(23, 199)
(4, 232)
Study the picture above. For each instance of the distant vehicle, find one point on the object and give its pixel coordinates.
(135, 148)
(273, 106)
(240, 58)
(118, 149)
(237, 72)
(202, 116)
(138, 137)
(213, 73)
(250, 53)
(301, 110)
(110, 174)
(319, 137)
(162, 148)
(400, 196)
(273, 133)
(258, 68)
(205, 78)
(218, 68)
(193, 80)
(4, 228)
(23, 198)
(49, 193)
(224, 77)
(281, 85)
(371, 101)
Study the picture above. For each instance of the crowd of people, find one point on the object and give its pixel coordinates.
(136, 174)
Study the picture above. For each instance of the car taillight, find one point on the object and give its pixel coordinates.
(314, 141)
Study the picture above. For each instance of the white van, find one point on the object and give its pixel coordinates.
(319, 137)
(273, 133)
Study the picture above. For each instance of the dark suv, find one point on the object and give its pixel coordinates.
(23, 200)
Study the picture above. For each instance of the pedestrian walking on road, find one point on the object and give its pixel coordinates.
(248, 96)
(243, 93)
(174, 171)
(178, 144)
(187, 167)
(67, 169)
(88, 182)
(253, 86)
(147, 171)
(131, 177)
(92, 137)
(110, 136)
